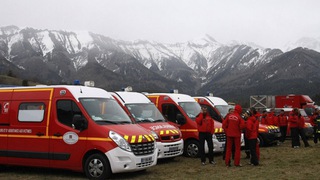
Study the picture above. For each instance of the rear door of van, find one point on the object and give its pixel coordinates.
(28, 141)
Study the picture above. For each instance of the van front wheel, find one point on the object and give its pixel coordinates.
(191, 149)
(97, 167)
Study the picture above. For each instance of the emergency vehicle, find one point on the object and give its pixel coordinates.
(145, 113)
(267, 134)
(308, 128)
(71, 127)
(283, 101)
(182, 110)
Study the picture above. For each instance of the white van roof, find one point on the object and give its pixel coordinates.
(217, 100)
(176, 97)
(131, 97)
(77, 91)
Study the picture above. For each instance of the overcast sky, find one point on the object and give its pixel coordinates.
(269, 23)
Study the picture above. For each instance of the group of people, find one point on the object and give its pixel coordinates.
(233, 125)
(237, 122)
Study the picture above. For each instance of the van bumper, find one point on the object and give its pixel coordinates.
(124, 161)
(170, 149)
(270, 138)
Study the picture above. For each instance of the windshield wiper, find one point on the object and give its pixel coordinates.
(124, 122)
(159, 120)
(107, 121)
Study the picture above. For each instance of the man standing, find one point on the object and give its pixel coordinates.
(316, 126)
(252, 126)
(283, 124)
(206, 129)
(294, 128)
(232, 125)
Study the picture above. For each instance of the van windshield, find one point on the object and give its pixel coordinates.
(192, 109)
(145, 113)
(105, 111)
(223, 109)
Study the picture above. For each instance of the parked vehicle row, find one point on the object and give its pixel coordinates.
(90, 130)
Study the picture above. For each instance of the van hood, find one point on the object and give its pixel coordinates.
(163, 129)
(218, 127)
(158, 126)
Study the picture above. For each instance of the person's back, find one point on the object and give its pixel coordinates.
(233, 123)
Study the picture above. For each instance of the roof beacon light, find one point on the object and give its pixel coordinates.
(76, 82)
(128, 89)
(210, 94)
(175, 91)
(89, 83)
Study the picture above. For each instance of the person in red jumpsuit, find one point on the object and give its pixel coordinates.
(283, 125)
(206, 129)
(252, 128)
(294, 128)
(232, 126)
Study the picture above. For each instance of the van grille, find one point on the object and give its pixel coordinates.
(143, 148)
(170, 138)
(173, 149)
(221, 137)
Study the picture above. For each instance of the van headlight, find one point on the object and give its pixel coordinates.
(155, 135)
(214, 137)
(120, 141)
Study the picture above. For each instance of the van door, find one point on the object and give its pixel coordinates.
(67, 144)
(28, 141)
(4, 125)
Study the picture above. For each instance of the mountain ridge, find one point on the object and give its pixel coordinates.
(194, 67)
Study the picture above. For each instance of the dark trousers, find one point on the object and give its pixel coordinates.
(204, 136)
(283, 131)
(316, 136)
(295, 137)
(303, 137)
(252, 144)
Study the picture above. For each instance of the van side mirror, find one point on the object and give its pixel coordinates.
(79, 122)
(181, 119)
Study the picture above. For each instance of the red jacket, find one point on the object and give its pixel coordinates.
(233, 123)
(293, 120)
(252, 128)
(271, 119)
(205, 124)
(283, 120)
(301, 122)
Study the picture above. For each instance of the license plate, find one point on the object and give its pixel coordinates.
(173, 148)
(146, 159)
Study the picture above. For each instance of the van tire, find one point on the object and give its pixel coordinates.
(261, 143)
(191, 149)
(97, 167)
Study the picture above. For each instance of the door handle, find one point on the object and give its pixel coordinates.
(40, 134)
(57, 134)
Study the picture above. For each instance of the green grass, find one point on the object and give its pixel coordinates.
(277, 162)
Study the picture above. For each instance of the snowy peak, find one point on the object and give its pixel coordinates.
(305, 42)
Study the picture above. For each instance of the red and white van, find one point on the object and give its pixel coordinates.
(71, 127)
(182, 110)
(145, 113)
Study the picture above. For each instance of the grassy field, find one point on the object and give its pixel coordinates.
(277, 162)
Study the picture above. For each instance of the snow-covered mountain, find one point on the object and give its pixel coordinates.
(305, 42)
(194, 67)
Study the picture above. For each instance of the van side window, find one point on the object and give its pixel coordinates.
(31, 112)
(170, 111)
(65, 111)
(213, 113)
